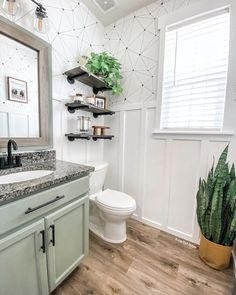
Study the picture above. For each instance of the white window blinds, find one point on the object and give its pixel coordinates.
(195, 73)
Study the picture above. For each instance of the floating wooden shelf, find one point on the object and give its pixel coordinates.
(73, 136)
(73, 106)
(82, 75)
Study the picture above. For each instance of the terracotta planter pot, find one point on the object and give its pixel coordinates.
(215, 255)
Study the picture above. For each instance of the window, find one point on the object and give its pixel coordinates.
(195, 73)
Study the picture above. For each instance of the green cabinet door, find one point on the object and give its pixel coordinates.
(67, 240)
(23, 267)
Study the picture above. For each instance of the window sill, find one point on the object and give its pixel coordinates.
(157, 133)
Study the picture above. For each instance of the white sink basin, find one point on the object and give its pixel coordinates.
(23, 176)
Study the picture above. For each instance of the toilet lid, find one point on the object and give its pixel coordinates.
(115, 199)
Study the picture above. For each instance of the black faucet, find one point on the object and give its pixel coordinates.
(10, 161)
(11, 143)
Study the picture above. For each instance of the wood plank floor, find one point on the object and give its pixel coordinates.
(149, 262)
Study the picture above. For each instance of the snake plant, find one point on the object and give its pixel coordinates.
(216, 203)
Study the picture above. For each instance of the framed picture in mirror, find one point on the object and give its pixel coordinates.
(17, 90)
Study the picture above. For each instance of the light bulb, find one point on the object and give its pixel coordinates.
(11, 7)
(40, 21)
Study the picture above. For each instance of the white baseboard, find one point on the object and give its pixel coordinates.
(169, 230)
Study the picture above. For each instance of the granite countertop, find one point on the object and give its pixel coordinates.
(62, 172)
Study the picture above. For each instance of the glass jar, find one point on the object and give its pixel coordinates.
(83, 125)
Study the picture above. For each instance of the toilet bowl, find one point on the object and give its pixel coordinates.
(109, 209)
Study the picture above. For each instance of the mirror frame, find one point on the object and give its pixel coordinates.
(44, 50)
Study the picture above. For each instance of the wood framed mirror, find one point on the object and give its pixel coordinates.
(25, 88)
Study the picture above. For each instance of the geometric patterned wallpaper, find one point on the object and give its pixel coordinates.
(134, 40)
(20, 62)
(74, 31)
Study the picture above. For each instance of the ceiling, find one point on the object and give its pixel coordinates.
(114, 9)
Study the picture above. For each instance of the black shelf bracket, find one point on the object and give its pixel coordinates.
(95, 91)
(70, 80)
(72, 137)
(71, 110)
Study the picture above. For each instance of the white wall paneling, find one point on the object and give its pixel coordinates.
(113, 151)
(18, 124)
(215, 148)
(160, 172)
(59, 128)
(154, 174)
(132, 144)
(183, 180)
(4, 126)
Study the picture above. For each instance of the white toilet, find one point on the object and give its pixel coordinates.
(109, 209)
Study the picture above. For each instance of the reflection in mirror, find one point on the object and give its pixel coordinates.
(19, 90)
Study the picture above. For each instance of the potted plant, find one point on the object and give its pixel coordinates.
(216, 213)
(108, 68)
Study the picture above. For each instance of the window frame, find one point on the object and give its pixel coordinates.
(200, 8)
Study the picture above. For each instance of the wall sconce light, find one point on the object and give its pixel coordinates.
(11, 7)
(40, 20)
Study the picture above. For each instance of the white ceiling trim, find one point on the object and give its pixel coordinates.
(123, 8)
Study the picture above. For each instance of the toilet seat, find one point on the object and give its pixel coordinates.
(115, 201)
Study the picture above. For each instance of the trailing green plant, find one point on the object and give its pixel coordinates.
(108, 67)
(216, 203)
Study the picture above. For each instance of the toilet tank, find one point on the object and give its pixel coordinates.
(97, 178)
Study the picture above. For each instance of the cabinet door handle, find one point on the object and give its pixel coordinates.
(43, 247)
(30, 210)
(53, 234)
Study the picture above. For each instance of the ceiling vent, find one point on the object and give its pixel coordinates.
(106, 5)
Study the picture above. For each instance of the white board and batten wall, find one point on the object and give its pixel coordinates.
(161, 173)
(161, 170)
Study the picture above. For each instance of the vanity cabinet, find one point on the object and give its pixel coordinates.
(41, 248)
(23, 266)
(67, 231)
